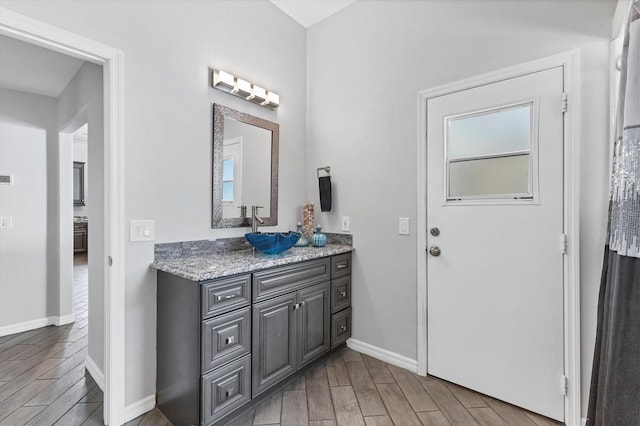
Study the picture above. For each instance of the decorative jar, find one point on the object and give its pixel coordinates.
(318, 239)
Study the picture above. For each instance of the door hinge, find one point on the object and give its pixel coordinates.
(563, 243)
(110, 261)
(564, 102)
(563, 385)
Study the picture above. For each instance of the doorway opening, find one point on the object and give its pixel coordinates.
(110, 242)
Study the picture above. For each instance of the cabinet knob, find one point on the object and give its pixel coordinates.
(343, 328)
(343, 293)
(228, 393)
(229, 340)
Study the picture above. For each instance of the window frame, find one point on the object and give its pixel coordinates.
(531, 196)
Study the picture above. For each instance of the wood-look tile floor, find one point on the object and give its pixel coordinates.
(43, 382)
(353, 389)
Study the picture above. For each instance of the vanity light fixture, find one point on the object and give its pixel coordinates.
(258, 95)
(273, 100)
(242, 89)
(223, 79)
(227, 82)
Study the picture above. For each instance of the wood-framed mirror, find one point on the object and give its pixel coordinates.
(245, 168)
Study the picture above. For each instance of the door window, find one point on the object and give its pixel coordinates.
(490, 154)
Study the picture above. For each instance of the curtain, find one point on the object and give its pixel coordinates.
(614, 397)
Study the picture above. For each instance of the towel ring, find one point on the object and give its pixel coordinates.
(327, 169)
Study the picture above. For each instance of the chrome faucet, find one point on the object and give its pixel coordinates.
(255, 219)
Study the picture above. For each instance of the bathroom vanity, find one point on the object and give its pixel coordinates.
(231, 326)
(80, 234)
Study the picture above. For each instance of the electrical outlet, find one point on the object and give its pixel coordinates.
(346, 223)
(403, 226)
(6, 222)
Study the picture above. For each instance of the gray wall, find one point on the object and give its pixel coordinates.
(365, 67)
(27, 126)
(168, 48)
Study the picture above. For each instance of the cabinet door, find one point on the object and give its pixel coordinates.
(313, 311)
(78, 241)
(274, 348)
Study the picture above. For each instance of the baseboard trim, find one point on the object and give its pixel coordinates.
(130, 411)
(384, 355)
(63, 320)
(583, 421)
(96, 373)
(139, 408)
(35, 324)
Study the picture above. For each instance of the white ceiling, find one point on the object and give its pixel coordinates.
(308, 12)
(32, 69)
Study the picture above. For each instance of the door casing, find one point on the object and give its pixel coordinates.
(571, 279)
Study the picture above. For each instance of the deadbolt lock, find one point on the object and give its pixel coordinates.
(435, 232)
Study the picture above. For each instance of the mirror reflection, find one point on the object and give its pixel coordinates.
(245, 162)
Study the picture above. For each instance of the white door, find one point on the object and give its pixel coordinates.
(495, 194)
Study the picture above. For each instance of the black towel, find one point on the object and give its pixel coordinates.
(324, 183)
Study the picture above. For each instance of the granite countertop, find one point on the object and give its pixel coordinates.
(217, 265)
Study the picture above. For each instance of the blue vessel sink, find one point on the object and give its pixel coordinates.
(272, 242)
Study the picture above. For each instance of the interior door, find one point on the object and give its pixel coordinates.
(495, 220)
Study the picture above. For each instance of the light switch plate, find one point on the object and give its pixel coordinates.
(142, 230)
(403, 226)
(346, 223)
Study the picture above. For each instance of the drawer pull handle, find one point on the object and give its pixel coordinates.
(342, 265)
(229, 340)
(228, 296)
(343, 293)
(228, 393)
(343, 328)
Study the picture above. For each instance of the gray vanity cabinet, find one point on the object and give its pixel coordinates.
(289, 331)
(224, 341)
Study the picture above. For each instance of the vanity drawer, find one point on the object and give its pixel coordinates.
(225, 389)
(340, 293)
(341, 265)
(226, 294)
(340, 327)
(284, 279)
(225, 338)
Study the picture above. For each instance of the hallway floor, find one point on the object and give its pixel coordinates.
(43, 382)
